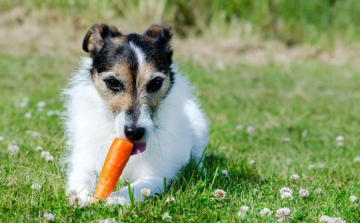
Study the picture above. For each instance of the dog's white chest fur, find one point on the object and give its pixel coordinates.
(181, 132)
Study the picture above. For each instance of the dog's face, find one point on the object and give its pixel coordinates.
(132, 74)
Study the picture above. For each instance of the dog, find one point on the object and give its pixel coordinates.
(129, 88)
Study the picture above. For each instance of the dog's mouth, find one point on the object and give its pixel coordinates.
(138, 148)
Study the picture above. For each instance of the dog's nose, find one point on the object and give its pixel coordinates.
(133, 133)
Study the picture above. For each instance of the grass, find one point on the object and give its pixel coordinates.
(309, 102)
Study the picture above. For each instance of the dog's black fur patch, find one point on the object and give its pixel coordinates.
(108, 47)
(155, 46)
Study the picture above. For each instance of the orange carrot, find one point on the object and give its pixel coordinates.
(116, 159)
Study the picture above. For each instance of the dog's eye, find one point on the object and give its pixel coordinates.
(154, 85)
(113, 84)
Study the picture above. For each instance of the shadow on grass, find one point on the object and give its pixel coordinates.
(210, 175)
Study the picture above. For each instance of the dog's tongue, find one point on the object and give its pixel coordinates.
(138, 148)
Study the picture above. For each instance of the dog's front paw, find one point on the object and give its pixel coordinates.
(117, 200)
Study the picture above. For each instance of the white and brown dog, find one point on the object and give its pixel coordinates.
(129, 88)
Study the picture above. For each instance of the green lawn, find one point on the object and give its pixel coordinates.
(309, 102)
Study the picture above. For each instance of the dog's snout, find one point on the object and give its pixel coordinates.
(134, 133)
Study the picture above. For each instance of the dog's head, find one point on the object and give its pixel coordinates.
(132, 74)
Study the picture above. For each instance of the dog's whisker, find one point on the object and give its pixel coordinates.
(165, 131)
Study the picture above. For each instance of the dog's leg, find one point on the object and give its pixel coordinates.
(80, 184)
(155, 184)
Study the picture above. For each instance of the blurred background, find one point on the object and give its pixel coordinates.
(217, 32)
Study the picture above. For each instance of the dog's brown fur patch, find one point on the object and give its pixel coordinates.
(115, 57)
(122, 101)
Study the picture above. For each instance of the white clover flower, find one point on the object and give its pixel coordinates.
(49, 217)
(33, 134)
(108, 220)
(51, 113)
(311, 166)
(219, 194)
(244, 208)
(294, 177)
(13, 149)
(239, 127)
(38, 148)
(250, 130)
(286, 193)
(353, 198)
(41, 104)
(357, 159)
(36, 186)
(28, 115)
(166, 217)
(283, 214)
(326, 219)
(285, 190)
(75, 200)
(170, 199)
(318, 190)
(225, 173)
(286, 139)
(340, 138)
(49, 158)
(255, 191)
(241, 214)
(243, 211)
(145, 192)
(1, 138)
(286, 196)
(251, 162)
(265, 212)
(337, 220)
(304, 193)
(24, 103)
(45, 154)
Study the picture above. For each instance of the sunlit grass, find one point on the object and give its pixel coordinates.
(310, 103)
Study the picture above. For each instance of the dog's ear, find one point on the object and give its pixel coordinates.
(96, 36)
(162, 33)
(163, 36)
(156, 31)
